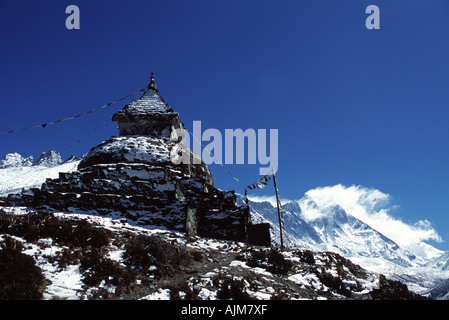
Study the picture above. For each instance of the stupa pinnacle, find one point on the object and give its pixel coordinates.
(149, 115)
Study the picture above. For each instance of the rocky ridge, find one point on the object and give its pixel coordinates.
(87, 256)
(50, 158)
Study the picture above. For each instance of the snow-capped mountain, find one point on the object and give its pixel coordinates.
(336, 231)
(441, 262)
(50, 158)
(331, 228)
(17, 172)
(308, 225)
(16, 160)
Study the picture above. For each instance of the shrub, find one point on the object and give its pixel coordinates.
(394, 290)
(142, 252)
(277, 262)
(306, 256)
(35, 226)
(12, 243)
(97, 268)
(20, 278)
(182, 291)
(230, 288)
(334, 283)
(271, 260)
(67, 257)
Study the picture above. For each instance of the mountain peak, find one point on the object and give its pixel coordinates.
(16, 160)
(50, 158)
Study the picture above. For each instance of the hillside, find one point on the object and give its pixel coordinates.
(338, 231)
(17, 172)
(84, 256)
(322, 262)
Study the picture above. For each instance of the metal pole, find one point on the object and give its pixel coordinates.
(280, 214)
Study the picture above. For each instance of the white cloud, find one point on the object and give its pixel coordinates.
(374, 208)
(270, 199)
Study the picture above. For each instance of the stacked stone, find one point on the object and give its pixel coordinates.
(132, 176)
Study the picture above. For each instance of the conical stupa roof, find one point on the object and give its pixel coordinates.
(150, 102)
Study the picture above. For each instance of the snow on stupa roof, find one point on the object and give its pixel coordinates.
(151, 101)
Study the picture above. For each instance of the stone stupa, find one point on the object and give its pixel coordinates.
(132, 176)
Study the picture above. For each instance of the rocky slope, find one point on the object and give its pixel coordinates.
(338, 231)
(84, 256)
(97, 229)
(362, 245)
(17, 172)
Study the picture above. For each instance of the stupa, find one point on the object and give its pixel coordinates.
(131, 176)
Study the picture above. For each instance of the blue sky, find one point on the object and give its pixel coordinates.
(352, 106)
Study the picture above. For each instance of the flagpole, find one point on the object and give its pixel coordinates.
(280, 214)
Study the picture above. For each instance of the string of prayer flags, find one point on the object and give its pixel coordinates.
(260, 184)
(72, 117)
(87, 134)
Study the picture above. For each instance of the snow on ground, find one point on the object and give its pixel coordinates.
(62, 283)
(13, 179)
(160, 294)
(418, 279)
(66, 283)
(257, 282)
